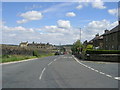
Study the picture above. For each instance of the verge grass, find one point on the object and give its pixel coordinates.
(11, 58)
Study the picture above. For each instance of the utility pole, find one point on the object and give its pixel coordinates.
(80, 39)
(80, 34)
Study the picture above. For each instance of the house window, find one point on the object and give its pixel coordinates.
(106, 38)
(112, 46)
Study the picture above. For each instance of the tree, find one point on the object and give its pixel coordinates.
(77, 47)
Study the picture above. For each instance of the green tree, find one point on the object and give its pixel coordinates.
(77, 47)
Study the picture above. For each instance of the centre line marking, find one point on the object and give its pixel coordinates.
(117, 78)
(40, 77)
(41, 73)
(50, 63)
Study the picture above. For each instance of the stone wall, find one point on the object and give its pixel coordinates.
(16, 50)
(103, 57)
(99, 57)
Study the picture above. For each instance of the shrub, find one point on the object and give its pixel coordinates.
(35, 53)
(103, 51)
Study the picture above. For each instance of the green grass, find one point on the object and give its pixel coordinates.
(11, 58)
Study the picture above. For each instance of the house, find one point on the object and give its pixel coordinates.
(111, 39)
(97, 42)
(23, 44)
(37, 45)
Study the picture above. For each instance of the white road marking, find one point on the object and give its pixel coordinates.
(101, 73)
(50, 63)
(117, 78)
(96, 70)
(40, 77)
(55, 59)
(67, 57)
(108, 75)
(41, 73)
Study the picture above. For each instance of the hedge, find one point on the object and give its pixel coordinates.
(103, 51)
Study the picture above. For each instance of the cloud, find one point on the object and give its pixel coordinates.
(98, 4)
(64, 23)
(17, 28)
(95, 27)
(70, 14)
(54, 33)
(113, 12)
(79, 7)
(12, 35)
(34, 6)
(30, 16)
(56, 7)
(22, 21)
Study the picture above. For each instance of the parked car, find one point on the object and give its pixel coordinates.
(57, 53)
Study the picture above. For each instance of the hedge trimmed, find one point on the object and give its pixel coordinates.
(103, 51)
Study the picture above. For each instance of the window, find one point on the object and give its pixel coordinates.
(112, 46)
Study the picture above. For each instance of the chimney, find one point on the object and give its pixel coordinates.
(106, 31)
(97, 35)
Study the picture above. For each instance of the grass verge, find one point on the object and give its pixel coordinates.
(11, 58)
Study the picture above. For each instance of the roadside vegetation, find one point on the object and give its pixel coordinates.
(11, 58)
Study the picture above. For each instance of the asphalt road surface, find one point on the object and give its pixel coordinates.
(64, 71)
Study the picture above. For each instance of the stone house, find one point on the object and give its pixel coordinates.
(111, 39)
(36, 45)
(23, 44)
(97, 42)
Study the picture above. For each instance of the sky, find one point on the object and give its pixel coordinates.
(56, 22)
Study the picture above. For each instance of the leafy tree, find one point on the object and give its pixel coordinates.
(77, 47)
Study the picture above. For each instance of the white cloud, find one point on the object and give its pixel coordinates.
(95, 27)
(70, 14)
(56, 7)
(98, 4)
(113, 12)
(79, 7)
(29, 16)
(34, 6)
(54, 33)
(22, 21)
(64, 23)
(18, 28)
(12, 35)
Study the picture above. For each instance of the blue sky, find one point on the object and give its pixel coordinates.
(56, 22)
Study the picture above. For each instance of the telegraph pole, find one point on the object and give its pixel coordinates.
(80, 34)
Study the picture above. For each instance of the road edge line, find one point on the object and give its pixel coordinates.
(116, 78)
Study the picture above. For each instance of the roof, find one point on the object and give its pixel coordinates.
(98, 37)
(24, 43)
(116, 29)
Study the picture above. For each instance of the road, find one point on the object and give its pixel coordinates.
(64, 71)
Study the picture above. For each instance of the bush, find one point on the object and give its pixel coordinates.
(35, 53)
(103, 51)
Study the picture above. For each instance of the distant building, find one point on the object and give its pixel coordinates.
(111, 39)
(23, 44)
(36, 45)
